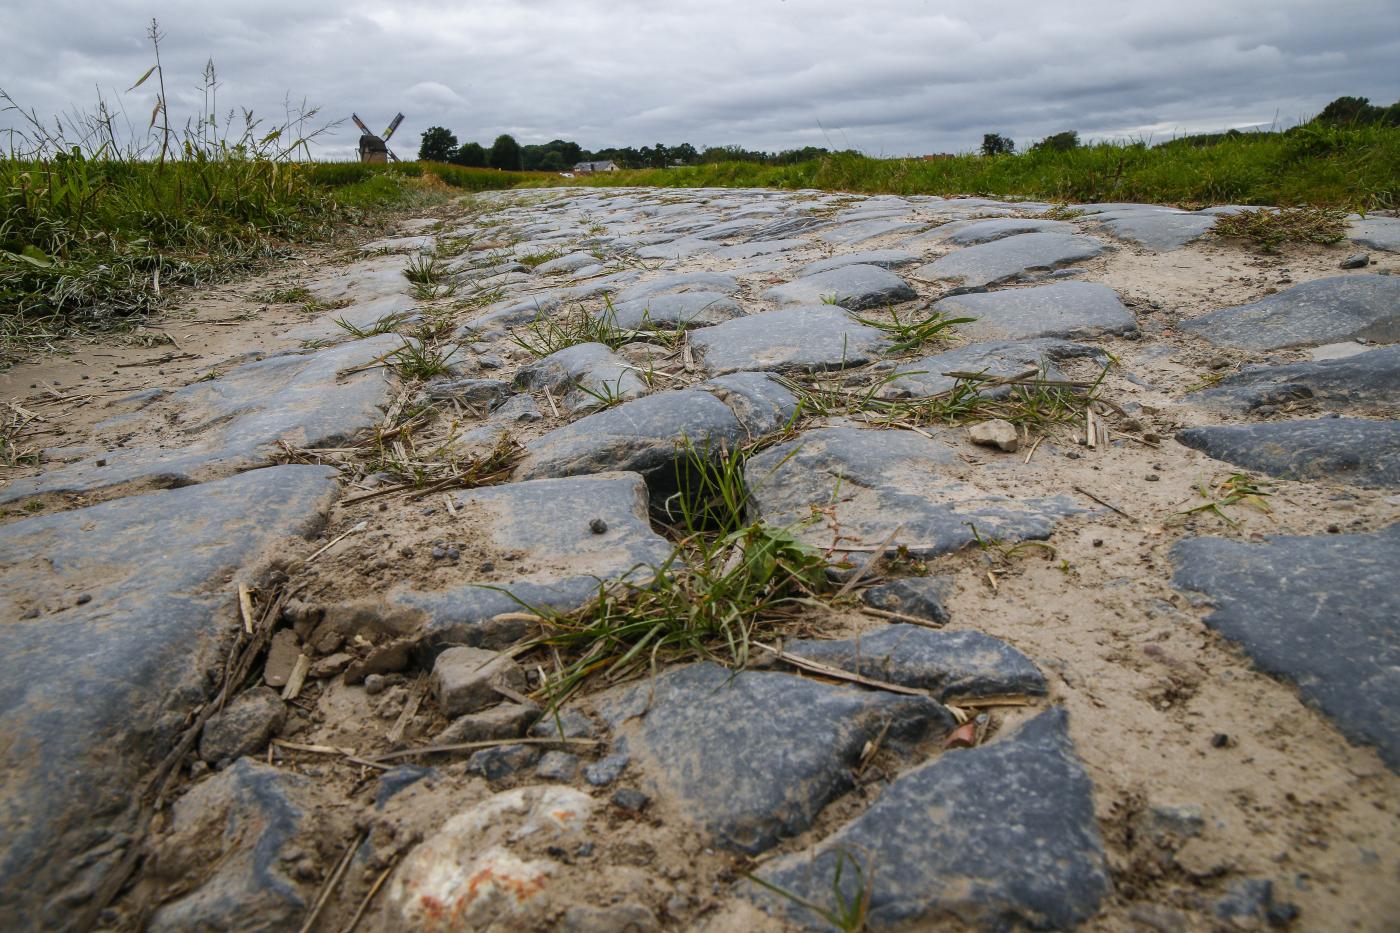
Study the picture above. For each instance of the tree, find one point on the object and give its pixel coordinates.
(1060, 142)
(997, 144)
(439, 145)
(505, 154)
(1358, 111)
(472, 155)
(1347, 110)
(552, 161)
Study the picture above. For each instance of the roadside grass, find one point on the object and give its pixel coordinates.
(1356, 168)
(99, 223)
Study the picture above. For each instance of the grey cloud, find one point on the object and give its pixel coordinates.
(885, 76)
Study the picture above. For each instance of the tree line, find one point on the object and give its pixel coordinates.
(558, 155)
(1344, 111)
(439, 144)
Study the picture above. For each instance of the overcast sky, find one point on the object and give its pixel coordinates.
(889, 77)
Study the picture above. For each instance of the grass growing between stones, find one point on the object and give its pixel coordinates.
(1235, 489)
(1270, 229)
(727, 581)
(429, 277)
(1029, 400)
(416, 360)
(551, 332)
(384, 325)
(849, 913)
(913, 333)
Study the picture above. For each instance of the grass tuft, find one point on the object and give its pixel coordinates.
(1270, 229)
(416, 360)
(1032, 401)
(726, 581)
(913, 333)
(1235, 489)
(550, 332)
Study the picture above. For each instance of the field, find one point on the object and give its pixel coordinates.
(91, 241)
(1357, 168)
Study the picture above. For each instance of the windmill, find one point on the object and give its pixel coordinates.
(373, 148)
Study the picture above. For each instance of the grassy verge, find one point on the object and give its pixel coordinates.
(91, 242)
(1357, 168)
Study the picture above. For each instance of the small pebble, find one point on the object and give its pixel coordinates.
(1152, 477)
(84, 599)
(629, 798)
(453, 553)
(1098, 542)
(1334, 529)
(406, 552)
(1357, 261)
(598, 526)
(375, 684)
(1220, 740)
(439, 552)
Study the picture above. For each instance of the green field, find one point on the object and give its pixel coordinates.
(92, 242)
(1357, 168)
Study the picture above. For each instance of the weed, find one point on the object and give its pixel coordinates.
(416, 360)
(384, 325)
(606, 395)
(531, 260)
(288, 295)
(549, 333)
(1272, 228)
(850, 911)
(1031, 399)
(1002, 553)
(911, 334)
(1060, 212)
(1235, 489)
(725, 580)
(14, 423)
(429, 277)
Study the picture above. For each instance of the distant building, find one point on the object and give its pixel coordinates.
(588, 168)
(938, 157)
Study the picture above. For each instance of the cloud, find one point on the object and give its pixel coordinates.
(884, 76)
